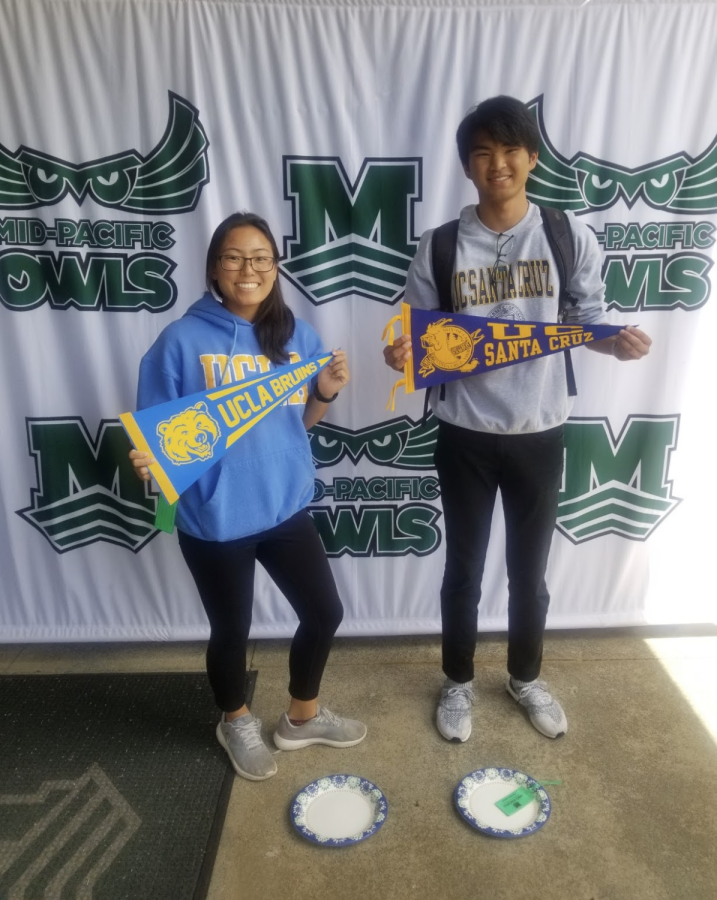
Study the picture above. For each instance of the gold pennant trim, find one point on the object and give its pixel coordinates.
(407, 381)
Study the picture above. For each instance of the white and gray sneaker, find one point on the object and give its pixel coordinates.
(325, 728)
(248, 753)
(453, 717)
(544, 711)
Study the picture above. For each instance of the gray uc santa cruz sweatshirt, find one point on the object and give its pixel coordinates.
(524, 285)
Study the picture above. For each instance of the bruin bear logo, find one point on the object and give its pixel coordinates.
(448, 347)
(190, 435)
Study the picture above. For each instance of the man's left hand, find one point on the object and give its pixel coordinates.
(631, 343)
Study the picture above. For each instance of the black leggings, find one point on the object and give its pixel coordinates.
(294, 557)
(472, 466)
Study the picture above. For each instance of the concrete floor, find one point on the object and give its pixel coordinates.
(635, 817)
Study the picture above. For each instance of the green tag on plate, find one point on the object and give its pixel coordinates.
(515, 801)
(164, 519)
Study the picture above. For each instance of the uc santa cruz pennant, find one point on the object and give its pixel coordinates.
(449, 346)
(188, 435)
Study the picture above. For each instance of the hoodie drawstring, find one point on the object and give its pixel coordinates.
(231, 354)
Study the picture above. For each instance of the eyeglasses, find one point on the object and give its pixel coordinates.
(499, 255)
(230, 262)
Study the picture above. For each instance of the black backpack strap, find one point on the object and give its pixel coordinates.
(443, 261)
(560, 237)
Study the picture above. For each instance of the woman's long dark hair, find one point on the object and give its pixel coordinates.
(274, 323)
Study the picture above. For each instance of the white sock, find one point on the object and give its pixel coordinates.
(457, 684)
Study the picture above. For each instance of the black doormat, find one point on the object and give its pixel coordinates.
(112, 787)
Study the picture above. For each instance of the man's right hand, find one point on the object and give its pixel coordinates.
(397, 353)
(140, 461)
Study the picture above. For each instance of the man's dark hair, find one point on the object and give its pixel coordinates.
(274, 323)
(503, 119)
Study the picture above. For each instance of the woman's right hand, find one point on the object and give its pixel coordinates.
(397, 353)
(140, 461)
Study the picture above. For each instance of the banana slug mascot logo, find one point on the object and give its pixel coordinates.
(168, 180)
(190, 435)
(448, 347)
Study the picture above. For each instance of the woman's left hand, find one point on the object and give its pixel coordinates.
(335, 376)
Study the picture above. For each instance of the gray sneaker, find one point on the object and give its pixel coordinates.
(324, 728)
(455, 708)
(544, 711)
(241, 738)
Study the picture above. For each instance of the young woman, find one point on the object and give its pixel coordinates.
(251, 505)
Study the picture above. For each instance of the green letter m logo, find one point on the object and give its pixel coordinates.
(87, 490)
(616, 485)
(350, 239)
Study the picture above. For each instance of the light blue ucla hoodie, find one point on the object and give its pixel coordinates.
(267, 475)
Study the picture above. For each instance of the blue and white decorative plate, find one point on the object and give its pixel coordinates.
(476, 795)
(338, 810)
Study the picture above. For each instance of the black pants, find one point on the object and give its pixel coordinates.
(471, 467)
(294, 557)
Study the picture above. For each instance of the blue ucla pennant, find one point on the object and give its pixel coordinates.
(188, 435)
(446, 347)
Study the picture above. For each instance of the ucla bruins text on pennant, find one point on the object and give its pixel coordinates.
(187, 436)
(446, 347)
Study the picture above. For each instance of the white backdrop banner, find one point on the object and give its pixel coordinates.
(129, 130)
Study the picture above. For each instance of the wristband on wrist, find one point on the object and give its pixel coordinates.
(320, 397)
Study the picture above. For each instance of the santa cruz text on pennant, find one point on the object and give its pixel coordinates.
(446, 347)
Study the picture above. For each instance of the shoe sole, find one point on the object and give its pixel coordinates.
(247, 775)
(536, 727)
(286, 744)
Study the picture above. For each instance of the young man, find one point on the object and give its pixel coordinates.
(504, 430)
